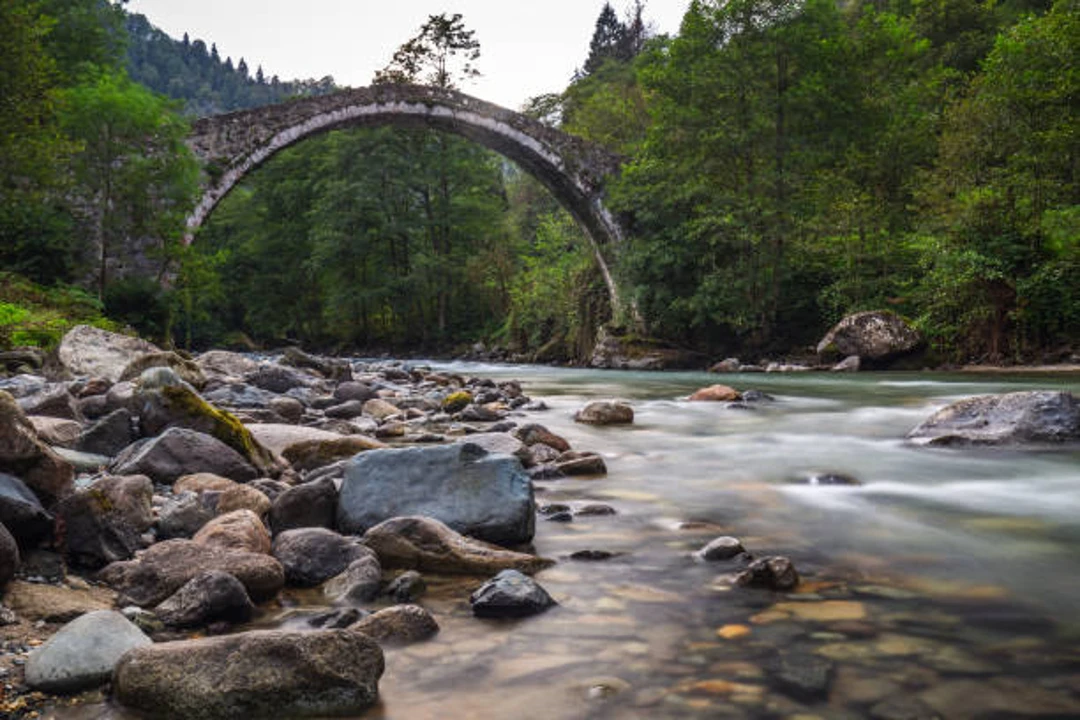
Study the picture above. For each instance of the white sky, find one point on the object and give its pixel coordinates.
(526, 48)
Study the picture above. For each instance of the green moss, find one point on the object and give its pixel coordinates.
(222, 425)
(38, 316)
(457, 401)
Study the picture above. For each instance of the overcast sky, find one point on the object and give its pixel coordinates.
(527, 48)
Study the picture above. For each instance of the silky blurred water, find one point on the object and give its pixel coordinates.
(977, 547)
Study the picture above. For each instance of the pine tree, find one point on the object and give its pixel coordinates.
(242, 68)
(607, 39)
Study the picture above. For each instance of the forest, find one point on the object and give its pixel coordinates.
(786, 162)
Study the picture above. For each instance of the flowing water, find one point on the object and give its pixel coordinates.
(946, 584)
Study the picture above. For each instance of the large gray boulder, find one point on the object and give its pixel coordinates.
(178, 452)
(261, 674)
(87, 350)
(476, 493)
(876, 336)
(167, 566)
(83, 653)
(1043, 416)
(421, 543)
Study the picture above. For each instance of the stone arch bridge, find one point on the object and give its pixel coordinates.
(573, 170)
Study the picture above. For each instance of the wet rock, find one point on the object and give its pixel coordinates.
(721, 548)
(398, 625)
(21, 512)
(534, 434)
(237, 530)
(178, 452)
(165, 567)
(499, 443)
(852, 363)
(358, 583)
(87, 350)
(827, 478)
(211, 596)
(9, 556)
(263, 674)
(605, 412)
(770, 573)
(182, 515)
(25, 456)
(167, 402)
(83, 653)
(313, 454)
(103, 522)
(1013, 418)
(486, 496)
(311, 556)
(482, 413)
(188, 370)
(592, 555)
(595, 510)
(716, 393)
(337, 619)
(510, 595)
(425, 544)
(873, 335)
(456, 401)
(756, 396)
(802, 676)
(571, 464)
(728, 365)
(108, 435)
(312, 504)
(407, 587)
(563, 516)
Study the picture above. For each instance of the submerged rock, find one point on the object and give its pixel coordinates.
(1043, 416)
(398, 625)
(510, 595)
(716, 393)
(605, 412)
(261, 674)
(770, 573)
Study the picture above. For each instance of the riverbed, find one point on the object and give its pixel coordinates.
(944, 584)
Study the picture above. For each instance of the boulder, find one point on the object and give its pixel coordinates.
(202, 482)
(225, 364)
(87, 350)
(580, 463)
(108, 435)
(313, 454)
(353, 390)
(238, 396)
(181, 515)
(312, 504)
(398, 625)
(103, 522)
(167, 402)
(237, 530)
(58, 432)
(345, 411)
(356, 584)
(1041, 416)
(499, 443)
(533, 434)
(380, 409)
(242, 497)
(487, 496)
(178, 452)
(721, 548)
(83, 653)
(165, 567)
(716, 393)
(287, 407)
(211, 596)
(605, 412)
(311, 556)
(427, 545)
(9, 556)
(727, 365)
(54, 401)
(21, 512)
(876, 336)
(278, 437)
(510, 595)
(259, 674)
(188, 370)
(406, 587)
(25, 456)
(770, 573)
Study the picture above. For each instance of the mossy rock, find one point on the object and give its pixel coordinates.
(168, 401)
(457, 401)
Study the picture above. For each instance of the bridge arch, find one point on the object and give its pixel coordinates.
(231, 146)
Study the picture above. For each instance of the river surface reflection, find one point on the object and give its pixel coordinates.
(946, 584)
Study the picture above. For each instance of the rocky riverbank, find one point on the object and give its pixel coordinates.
(151, 498)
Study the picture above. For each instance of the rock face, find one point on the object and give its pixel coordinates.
(605, 412)
(508, 595)
(23, 455)
(178, 452)
(83, 653)
(86, 350)
(166, 566)
(1012, 418)
(266, 674)
(483, 495)
(208, 597)
(420, 543)
(875, 336)
(312, 556)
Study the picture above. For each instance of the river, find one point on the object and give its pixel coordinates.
(946, 584)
